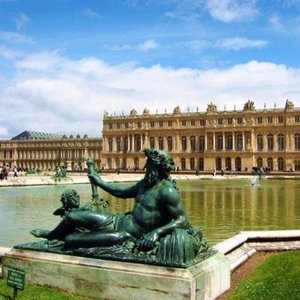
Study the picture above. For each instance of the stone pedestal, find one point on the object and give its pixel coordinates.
(103, 279)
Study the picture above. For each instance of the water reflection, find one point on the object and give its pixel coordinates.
(220, 208)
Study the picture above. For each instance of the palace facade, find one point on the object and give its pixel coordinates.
(205, 141)
(40, 151)
(211, 140)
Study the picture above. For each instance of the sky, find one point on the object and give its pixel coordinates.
(63, 63)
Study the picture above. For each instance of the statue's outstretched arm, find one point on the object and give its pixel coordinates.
(116, 190)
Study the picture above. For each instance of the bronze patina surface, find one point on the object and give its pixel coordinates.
(156, 231)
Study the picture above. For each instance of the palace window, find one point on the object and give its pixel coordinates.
(297, 141)
(110, 125)
(218, 163)
(201, 143)
(161, 124)
(220, 142)
(201, 164)
(161, 143)
(270, 120)
(170, 143)
(281, 144)
(238, 163)
(229, 121)
(152, 142)
(118, 144)
(270, 163)
(110, 144)
(125, 144)
(280, 163)
(137, 143)
(152, 124)
(297, 119)
(228, 142)
(170, 123)
(139, 124)
(270, 142)
(240, 120)
(260, 142)
(126, 125)
(193, 123)
(192, 163)
(202, 122)
(297, 165)
(183, 166)
(193, 143)
(259, 120)
(239, 142)
(118, 125)
(183, 143)
(183, 122)
(228, 164)
(280, 119)
(259, 162)
(220, 121)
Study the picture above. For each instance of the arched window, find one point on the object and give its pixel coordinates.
(297, 141)
(228, 164)
(193, 143)
(183, 143)
(192, 163)
(218, 163)
(201, 164)
(201, 143)
(183, 164)
(281, 143)
(220, 142)
(110, 144)
(270, 163)
(161, 143)
(280, 163)
(259, 162)
(238, 163)
(270, 142)
(239, 142)
(152, 142)
(170, 143)
(260, 142)
(228, 142)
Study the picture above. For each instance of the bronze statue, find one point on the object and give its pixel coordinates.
(157, 224)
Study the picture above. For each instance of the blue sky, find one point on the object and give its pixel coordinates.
(64, 62)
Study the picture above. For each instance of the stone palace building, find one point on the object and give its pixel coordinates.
(235, 140)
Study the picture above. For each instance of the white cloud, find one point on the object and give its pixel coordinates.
(148, 45)
(143, 47)
(14, 37)
(232, 10)
(238, 43)
(91, 13)
(70, 96)
(21, 21)
(7, 53)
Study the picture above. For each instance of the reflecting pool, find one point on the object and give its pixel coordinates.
(221, 208)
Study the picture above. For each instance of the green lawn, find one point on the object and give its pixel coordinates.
(31, 292)
(278, 277)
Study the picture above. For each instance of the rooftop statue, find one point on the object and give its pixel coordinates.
(156, 231)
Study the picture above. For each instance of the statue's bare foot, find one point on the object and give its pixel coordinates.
(43, 233)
